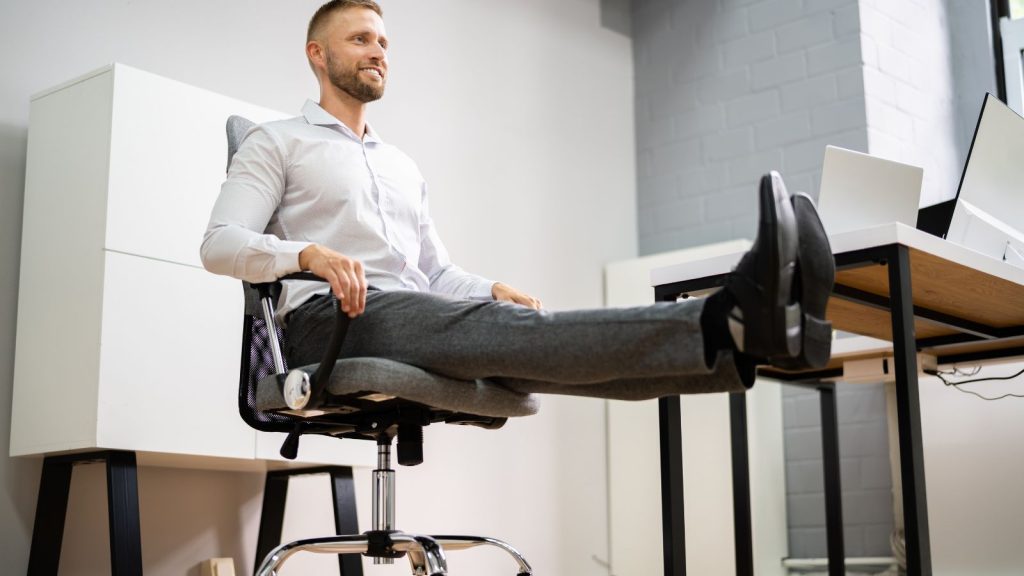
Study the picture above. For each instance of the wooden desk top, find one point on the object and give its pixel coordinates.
(946, 279)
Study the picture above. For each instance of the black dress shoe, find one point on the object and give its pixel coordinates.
(815, 275)
(762, 283)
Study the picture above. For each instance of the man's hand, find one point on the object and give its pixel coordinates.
(345, 275)
(506, 293)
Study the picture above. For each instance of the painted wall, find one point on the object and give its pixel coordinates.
(519, 114)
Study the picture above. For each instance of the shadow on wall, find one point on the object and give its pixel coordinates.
(18, 476)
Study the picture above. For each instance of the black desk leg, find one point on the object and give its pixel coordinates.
(343, 489)
(833, 488)
(908, 409)
(51, 511)
(673, 532)
(123, 504)
(742, 526)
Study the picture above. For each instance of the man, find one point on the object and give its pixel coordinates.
(322, 192)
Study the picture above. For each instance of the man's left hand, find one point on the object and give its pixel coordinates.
(505, 293)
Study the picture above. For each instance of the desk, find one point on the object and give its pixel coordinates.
(894, 283)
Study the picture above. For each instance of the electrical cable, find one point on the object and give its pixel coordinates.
(941, 375)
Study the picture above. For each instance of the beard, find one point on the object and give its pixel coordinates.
(349, 82)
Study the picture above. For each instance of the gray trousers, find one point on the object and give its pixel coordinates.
(624, 353)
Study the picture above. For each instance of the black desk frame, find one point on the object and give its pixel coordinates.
(905, 345)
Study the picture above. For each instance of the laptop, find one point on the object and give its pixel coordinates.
(860, 191)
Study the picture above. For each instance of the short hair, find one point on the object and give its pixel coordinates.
(320, 18)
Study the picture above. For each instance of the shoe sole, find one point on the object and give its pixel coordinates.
(816, 272)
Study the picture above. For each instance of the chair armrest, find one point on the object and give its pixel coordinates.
(318, 381)
(302, 276)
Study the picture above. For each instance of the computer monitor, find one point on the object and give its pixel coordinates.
(993, 176)
(989, 212)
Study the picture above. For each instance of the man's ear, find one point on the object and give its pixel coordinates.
(315, 54)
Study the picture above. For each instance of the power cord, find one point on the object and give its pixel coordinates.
(941, 375)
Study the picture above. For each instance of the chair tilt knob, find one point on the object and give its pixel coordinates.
(296, 389)
(410, 444)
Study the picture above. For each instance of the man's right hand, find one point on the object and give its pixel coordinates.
(344, 274)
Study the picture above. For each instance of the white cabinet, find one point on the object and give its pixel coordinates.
(124, 341)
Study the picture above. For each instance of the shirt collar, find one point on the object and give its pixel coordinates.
(314, 114)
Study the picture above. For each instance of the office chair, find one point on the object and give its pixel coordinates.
(365, 399)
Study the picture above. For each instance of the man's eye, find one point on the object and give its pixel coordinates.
(360, 39)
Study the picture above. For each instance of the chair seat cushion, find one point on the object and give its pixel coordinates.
(395, 379)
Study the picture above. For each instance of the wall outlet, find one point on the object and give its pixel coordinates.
(217, 567)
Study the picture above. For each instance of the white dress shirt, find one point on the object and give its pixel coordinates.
(311, 180)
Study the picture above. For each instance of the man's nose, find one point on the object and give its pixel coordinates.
(377, 53)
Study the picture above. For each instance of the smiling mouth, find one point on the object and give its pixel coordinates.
(375, 72)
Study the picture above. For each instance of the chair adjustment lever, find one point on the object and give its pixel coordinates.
(290, 446)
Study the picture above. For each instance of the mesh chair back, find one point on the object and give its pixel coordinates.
(257, 359)
(257, 362)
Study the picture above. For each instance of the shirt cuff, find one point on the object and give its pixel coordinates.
(286, 260)
(482, 290)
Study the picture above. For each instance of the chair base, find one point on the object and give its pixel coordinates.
(425, 553)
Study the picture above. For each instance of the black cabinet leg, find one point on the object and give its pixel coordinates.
(51, 512)
(344, 491)
(275, 494)
(123, 506)
(833, 487)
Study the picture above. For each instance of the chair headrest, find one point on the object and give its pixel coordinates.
(237, 127)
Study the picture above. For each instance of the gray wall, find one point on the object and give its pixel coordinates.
(727, 90)
(864, 471)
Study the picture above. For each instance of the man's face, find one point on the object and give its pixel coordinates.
(355, 52)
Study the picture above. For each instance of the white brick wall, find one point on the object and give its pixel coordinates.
(728, 90)
(909, 89)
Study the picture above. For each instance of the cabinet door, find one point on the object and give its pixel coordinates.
(168, 154)
(170, 360)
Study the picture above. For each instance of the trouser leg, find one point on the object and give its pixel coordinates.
(469, 339)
